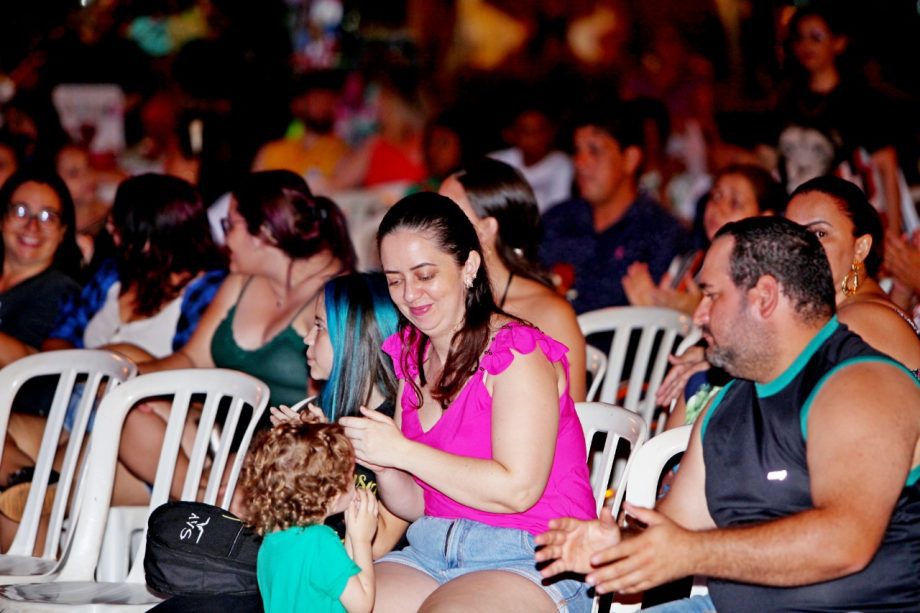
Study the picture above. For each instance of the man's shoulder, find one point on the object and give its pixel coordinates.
(571, 209)
(853, 377)
(646, 207)
(567, 227)
(648, 218)
(881, 377)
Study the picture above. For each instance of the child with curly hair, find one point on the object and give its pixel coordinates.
(296, 475)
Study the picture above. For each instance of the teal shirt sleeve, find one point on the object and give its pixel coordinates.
(338, 568)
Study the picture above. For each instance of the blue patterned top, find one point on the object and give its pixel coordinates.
(78, 310)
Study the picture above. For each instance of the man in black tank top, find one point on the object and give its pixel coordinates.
(800, 488)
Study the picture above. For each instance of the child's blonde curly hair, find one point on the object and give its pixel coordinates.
(293, 474)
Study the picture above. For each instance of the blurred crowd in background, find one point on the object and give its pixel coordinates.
(362, 94)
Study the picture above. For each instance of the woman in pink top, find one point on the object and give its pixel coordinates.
(485, 447)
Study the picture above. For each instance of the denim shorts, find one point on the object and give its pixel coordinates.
(445, 549)
(70, 417)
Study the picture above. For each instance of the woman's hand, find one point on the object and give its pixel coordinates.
(638, 284)
(685, 300)
(375, 437)
(286, 415)
(683, 367)
(641, 290)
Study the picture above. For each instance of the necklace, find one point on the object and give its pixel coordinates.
(501, 303)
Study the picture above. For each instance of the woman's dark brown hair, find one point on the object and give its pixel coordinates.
(497, 190)
(161, 230)
(278, 205)
(445, 224)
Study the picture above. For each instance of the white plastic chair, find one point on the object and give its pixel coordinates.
(645, 473)
(98, 372)
(617, 424)
(649, 462)
(661, 416)
(596, 365)
(74, 586)
(659, 330)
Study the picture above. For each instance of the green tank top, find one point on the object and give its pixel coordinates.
(280, 363)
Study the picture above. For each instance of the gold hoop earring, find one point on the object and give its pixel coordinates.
(850, 283)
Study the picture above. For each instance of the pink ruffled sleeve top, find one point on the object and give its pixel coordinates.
(465, 429)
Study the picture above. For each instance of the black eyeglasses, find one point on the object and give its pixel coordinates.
(22, 215)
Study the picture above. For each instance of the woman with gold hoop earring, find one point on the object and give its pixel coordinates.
(850, 229)
(850, 283)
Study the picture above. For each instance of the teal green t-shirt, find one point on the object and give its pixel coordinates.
(303, 569)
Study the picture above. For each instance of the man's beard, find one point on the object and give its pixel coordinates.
(747, 354)
(722, 357)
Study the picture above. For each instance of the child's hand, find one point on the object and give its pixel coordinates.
(361, 516)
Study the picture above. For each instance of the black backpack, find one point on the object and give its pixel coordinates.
(197, 549)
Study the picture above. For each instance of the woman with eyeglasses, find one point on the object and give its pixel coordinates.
(40, 259)
(146, 301)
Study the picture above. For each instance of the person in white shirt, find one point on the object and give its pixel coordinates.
(532, 135)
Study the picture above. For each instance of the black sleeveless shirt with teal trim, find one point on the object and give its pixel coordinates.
(754, 448)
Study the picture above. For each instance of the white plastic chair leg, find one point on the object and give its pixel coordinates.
(120, 542)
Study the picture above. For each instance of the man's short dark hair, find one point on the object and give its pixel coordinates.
(790, 254)
(621, 120)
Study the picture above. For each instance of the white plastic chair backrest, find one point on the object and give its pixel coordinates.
(689, 341)
(247, 400)
(618, 424)
(692, 338)
(92, 372)
(658, 329)
(649, 462)
(596, 365)
(645, 473)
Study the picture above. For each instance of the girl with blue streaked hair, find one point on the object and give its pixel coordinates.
(359, 316)
(353, 316)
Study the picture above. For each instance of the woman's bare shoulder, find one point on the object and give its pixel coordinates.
(884, 329)
(553, 315)
(535, 298)
(231, 286)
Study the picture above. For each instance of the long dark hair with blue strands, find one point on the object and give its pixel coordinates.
(359, 317)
